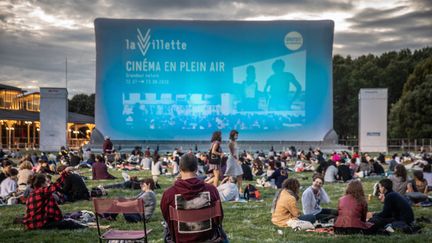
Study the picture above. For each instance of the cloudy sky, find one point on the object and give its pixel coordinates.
(36, 36)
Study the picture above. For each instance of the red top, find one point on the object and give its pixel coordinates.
(100, 171)
(351, 214)
(41, 207)
(107, 146)
(187, 189)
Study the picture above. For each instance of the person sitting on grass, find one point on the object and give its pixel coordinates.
(353, 167)
(331, 172)
(74, 187)
(352, 211)
(228, 190)
(427, 175)
(364, 168)
(257, 167)
(247, 171)
(42, 210)
(43, 167)
(344, 173)
(284, 207)
(147, 194)
(396, 210)
(100, 169)
(312, 198)
(417, 189)
(9, 186)
(279, 175)
(24, 174)
(6, 165)
(377, 169)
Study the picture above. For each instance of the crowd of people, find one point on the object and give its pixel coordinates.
(203, 178)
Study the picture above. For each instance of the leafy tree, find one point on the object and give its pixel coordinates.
(411, 115)
(82, 104)
(389, 70)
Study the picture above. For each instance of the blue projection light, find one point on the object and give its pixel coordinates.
(182, 80)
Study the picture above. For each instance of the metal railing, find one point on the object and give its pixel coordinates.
(396, 144)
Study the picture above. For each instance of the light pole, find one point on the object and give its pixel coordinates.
(28, 123)
(9, 133)
(1, 133)
(13, 132)
(38, 132)
(8, 136)
(76, 137)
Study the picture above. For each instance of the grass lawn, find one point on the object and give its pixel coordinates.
(243, 222)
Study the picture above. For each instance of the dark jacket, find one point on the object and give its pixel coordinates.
(185, 191)
(74, 188)
(279, 175)
(396, 207)
(344, 173)
(74, 160)
(377, 168)
(247, 172)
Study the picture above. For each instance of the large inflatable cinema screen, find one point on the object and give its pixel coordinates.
(182, 80)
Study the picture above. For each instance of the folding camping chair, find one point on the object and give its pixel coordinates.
(197, 215)
(109, 205)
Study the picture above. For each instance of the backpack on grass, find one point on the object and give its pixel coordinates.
(251, 192)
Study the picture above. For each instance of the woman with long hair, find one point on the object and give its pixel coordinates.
(234, 168)
(284, 206)
(216, 155)
(352, 211)
(399, 179)
(417, 189)
(100, 170)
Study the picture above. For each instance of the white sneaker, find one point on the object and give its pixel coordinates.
(126, 176)
(389, 229)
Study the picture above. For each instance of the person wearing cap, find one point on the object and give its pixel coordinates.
(107, 146)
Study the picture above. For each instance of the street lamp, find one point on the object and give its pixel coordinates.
(8, 136)
(76, 136)
(1, 133)
(28, 123)
(9, 130)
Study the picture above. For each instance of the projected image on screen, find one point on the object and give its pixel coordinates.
(170, 80)
(265, 88)
(275, 85)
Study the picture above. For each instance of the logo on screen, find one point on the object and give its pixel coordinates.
(293, 40)
(144, 42)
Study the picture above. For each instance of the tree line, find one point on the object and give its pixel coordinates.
(407, 75)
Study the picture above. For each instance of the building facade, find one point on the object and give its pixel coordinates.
(20, 123)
